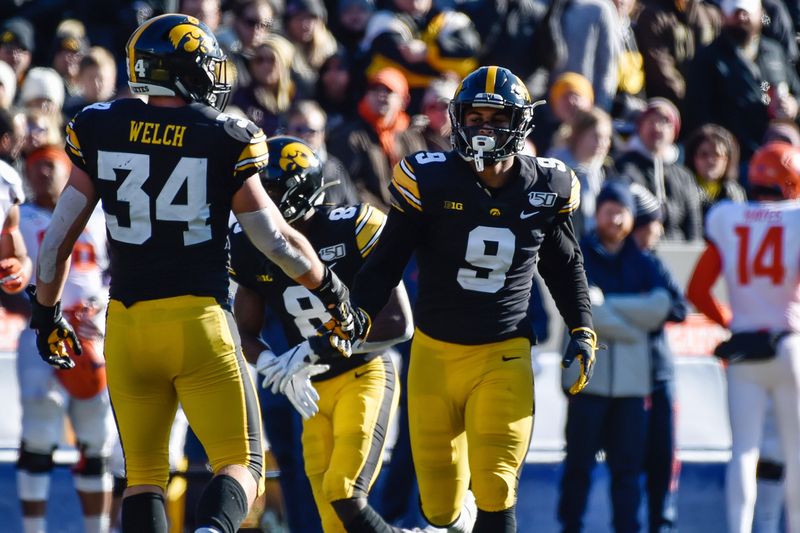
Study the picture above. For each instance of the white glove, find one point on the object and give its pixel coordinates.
(279, 369)
(301, 392)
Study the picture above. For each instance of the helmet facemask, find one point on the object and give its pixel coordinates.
(473, 144)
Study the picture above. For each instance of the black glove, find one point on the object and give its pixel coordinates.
(582, 344)
(327, 347)
(361, 324)
(53, 333)
(335, 297)
(332, 292)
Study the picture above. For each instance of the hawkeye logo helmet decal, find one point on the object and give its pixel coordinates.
(191, 38)
(296, 156)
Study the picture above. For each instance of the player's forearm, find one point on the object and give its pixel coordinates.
(561, 267)
(248, 311)
(393, 325)
(316, 273)
(69, 219)
(283, 246)
(252, 346)
(48, 293)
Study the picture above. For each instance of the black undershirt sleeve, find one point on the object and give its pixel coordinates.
(561, 267)
(384, 267)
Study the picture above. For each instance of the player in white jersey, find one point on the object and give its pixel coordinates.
(47, 395)
(756, 247)
(15, 266)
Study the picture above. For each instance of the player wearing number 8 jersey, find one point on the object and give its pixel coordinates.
(480, 218)
(169, 172)
(344, 435)
(756, 248)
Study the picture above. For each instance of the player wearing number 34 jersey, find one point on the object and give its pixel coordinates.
(169, 172)
(480, 219)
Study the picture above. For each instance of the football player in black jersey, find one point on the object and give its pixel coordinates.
(347, 410)
(169, 172)
(480, 219)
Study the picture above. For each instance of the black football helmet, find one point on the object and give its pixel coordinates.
(498, 88)
(177, 55)
(293, 178)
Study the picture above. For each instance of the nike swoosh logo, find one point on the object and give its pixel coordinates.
(525, 215)
(511, 358)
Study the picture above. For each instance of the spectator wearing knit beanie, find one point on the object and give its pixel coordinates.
(647, 218)
(43, 89)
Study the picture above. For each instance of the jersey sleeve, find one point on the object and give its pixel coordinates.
(75, 133)
(574, 198)
(404, 187)
(383, 269)
(254, 155)
(369, 225)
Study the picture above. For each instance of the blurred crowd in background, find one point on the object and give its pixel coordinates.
(639, 91)
(666, 100)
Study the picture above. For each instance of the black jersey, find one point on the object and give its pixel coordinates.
(343, 237)
(477, 248)
(166, 177)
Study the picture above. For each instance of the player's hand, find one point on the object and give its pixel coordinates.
(12, 279)
(348, 322)
(53, 333)
(301, 392)
(278, 370)
(582, 345)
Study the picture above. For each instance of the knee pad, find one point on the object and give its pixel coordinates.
(769, 470)
(34, 462)
(92, 474)
(33, 475)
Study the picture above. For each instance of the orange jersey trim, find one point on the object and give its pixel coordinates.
(698, 291)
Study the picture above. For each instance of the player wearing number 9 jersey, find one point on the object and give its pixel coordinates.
(169, 172)
(480, 218)
(756, 248)
(343, 443)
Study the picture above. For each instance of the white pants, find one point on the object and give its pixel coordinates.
(750, 387)
(45, 403)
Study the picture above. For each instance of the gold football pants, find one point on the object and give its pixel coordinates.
(184, 349)
(470, 412)
(343, 443)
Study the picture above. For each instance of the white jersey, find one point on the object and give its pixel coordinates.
(760, 248)
(10, 190)
(85, 280)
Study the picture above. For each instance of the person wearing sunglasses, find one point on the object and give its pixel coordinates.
(307, 121)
